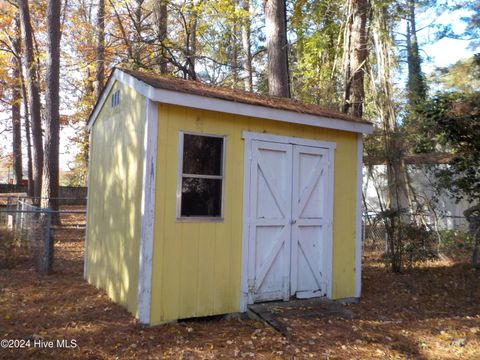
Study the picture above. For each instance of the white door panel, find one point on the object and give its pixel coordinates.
(270, 227)
(310, 218)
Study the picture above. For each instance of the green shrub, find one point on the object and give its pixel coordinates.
(456, 242)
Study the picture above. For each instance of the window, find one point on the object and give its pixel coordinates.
(115, 100)
(200, 187)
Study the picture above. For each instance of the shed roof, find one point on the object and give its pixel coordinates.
(240, 96)
(198, 95)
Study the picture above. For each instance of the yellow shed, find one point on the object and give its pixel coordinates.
(203, 200)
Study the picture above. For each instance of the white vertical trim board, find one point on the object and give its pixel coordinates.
(246, 224)
(178, 195)
(358, 224)
(148, 211)
(329, 258)
(89, 174)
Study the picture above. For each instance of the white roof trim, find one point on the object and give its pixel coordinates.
(103, 97)
(289, 140)
(220, 105)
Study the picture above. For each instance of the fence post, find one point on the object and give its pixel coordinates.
(48, 246)
(18, 215)
(25, 221)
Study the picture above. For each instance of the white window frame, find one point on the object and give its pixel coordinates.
(181, 175)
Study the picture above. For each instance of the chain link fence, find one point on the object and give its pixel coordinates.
(374, 232)
(26, 231)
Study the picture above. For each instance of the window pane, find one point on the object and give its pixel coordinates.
(202, 155)
(201, 197)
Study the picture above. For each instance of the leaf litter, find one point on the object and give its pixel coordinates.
(431, 312)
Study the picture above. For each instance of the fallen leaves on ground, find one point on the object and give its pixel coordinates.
(432, 312)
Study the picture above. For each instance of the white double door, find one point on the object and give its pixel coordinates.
(290, 222)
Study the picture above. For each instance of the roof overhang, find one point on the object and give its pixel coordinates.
(225, 106)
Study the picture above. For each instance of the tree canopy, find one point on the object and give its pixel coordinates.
(453, 120)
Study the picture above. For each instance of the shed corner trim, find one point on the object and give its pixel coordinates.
(358, 220)
(148, 212)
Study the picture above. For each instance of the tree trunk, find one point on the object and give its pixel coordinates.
(137, 45)
(417, 89)
(277, 48)
(17, 133)
(247, 46)
(234, 54)
(399, 214)
(191, 45)
(397, 184)
(476, 246)
(33, 96)
(16, 116)
(52, 101)
(100, 50)
(356, 56)
(28, 136)
(124, 37)
(473, 217)
(161, 19)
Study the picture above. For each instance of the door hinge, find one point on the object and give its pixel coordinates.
(251, 286)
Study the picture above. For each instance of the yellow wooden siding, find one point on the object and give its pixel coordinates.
(197, 266)
(115, 190)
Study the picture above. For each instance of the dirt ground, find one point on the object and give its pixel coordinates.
(429, 313)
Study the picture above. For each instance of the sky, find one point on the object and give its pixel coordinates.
(446, 51)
